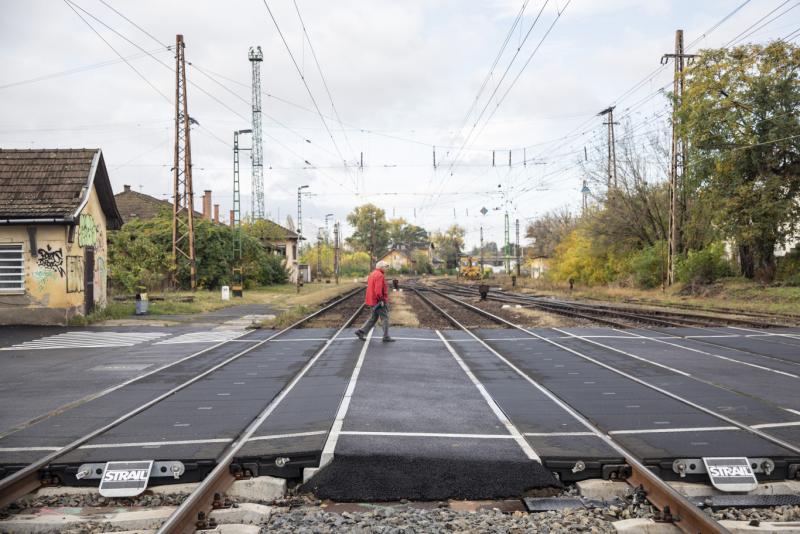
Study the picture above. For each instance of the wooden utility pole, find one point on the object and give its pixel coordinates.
(183, 197)
(612, 150)
(677, 157)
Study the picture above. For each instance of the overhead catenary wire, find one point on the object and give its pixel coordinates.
(305, 84)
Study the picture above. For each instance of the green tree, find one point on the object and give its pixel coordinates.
(739, 117)
(405, 236)
(449, 244)
(370, 230)
(355, 264)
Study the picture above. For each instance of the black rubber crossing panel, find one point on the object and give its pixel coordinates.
(773, 387)
(412, 387)
(615, 403)
(744, 406)
(528, 407)
(224, 404)
(308, 411)
(60, 430)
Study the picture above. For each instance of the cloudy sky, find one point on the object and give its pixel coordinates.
(403, 76)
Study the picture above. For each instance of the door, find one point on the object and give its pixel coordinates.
(88, 280)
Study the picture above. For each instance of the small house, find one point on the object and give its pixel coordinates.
(56, 208)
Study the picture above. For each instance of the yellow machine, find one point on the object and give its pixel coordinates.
(469, 269)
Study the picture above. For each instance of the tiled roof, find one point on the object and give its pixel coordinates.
(52, 183)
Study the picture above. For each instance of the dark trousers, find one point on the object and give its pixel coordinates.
(378, 312)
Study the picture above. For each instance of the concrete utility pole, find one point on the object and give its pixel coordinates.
(677, 162)
(518, 250)
(319, 254)
(585, 194)
(183, 197)
(612, 150)
(237, 281)
(336, 251)
(481, 251)
(373, 259)
(507, 245)
(257, 155)
(327, 232)
(300, 211)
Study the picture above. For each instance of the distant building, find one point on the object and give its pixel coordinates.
(56, 207)
(134, 205)
(283, 242)
(398, 259)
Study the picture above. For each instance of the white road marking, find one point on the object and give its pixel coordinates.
(669, 430)
(336, 428)
(212, 336)
(721, 357)
(425, 435)
(283, 436)
(634, 356)
(87, 339)
(154, 443)
(23, 449)
(776, 425)
(512, 429)
(558, 434)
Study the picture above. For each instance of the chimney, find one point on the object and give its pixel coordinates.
(127, 188)
(207, 204)
(216, 213)
(231, 218)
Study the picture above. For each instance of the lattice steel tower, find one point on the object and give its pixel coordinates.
(257, 156)
(183, 196)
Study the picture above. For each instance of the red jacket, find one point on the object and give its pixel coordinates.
(376, 288)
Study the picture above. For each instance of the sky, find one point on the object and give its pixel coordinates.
(402, 78)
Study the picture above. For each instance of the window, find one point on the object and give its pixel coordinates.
(12, 268)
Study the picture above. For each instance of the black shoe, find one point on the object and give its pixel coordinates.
(388, 339)
(360, 335)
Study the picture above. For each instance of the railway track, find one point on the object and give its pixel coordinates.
(191, 514)
(622, 316)
(626, 321)
(687, 516)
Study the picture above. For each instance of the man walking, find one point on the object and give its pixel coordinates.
(378, 300)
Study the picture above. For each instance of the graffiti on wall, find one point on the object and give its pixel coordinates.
(50, 259)
(88, 231)
(75, 274)
(43, 277)
(100, 279)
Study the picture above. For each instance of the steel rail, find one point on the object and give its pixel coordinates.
(521, 298)
(686, 515)
(200, 502)
(687, 317)
(571, 309)
(27, 479)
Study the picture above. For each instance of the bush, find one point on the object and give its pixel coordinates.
(647, 267)
(703, 266)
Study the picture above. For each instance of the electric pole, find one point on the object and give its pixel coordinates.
(612, 150)
(585, 200)
(300, 210)
(518, 250)
(373, 259)
(507, 246)
(257, 156)
(319, 254)
(481, 251)
(677, 157)
(183, 197)
(336, 252)
(237, 282)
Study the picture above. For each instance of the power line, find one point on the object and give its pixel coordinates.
(128, 63)
(305, 84)
(321, 75)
